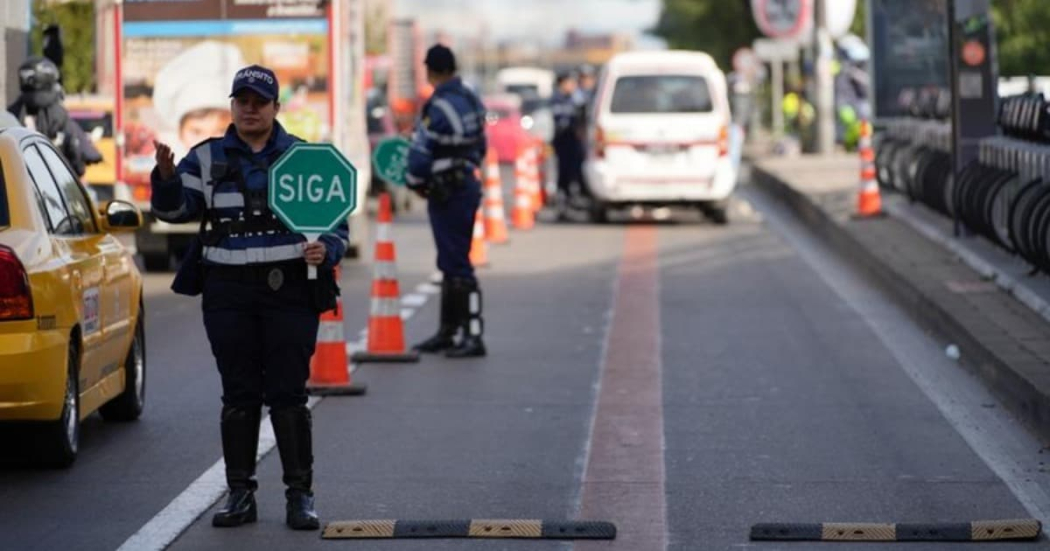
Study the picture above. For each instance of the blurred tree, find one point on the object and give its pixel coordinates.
(1022, 29)
(76, 19)
(717, 27)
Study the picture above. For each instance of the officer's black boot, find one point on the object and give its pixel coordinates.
(467, 300)
(240, 441)
(445, 336)
(291, 426)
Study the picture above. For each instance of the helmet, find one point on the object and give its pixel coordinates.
(37, 74)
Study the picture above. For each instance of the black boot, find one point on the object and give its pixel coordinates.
(291, 426)
(445, 336)
(240, 442)
(467, 300)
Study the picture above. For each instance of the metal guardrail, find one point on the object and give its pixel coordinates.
(1004, 195)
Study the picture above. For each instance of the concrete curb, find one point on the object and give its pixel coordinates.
(1023, 398)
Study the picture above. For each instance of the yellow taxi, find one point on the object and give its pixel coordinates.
(72, 338)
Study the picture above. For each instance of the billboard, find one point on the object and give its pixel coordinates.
(909, 52)
(178, 59)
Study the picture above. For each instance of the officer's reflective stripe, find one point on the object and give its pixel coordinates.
(450, 114)
(330, 332)
(190, 181)
(203, 152)
(386, 307)
(384, 270)
(441, 164)
(475, 326)
(162, 214)
(383, 232)
(254, 255)
(228, 200)
(475, 303)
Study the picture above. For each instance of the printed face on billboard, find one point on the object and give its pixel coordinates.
(180, 58)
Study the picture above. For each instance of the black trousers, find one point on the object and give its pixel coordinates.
(262, 340)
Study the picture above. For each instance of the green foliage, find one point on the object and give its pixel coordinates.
(1022, 29)
(717, 27)
(77, 21)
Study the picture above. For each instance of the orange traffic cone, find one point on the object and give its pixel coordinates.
(329, 375)
(495, 217)
(869, 201)
(479, 250)
(524, 215)
(386, 332)
(534, 178)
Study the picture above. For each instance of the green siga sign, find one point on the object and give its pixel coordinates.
(390, 160)
(312, 188)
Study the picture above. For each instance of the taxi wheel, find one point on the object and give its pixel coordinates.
(60, 438)
(716, 211)
(597, 212)
(128, 405)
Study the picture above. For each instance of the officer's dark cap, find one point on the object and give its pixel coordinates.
(440, 59)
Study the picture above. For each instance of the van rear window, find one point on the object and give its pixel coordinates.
(661, 94)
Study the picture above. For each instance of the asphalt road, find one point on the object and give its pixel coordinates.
(745, 382)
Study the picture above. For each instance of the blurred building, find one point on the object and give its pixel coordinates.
(14, 21)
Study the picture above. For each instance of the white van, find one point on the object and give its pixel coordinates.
(659, 135)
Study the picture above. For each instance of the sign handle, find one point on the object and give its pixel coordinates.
(311, 270)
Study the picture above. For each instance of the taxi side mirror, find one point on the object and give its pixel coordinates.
(120, 216)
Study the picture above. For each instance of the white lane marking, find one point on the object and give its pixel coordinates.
(428, 289)
(201, 494)
(414, 300)
(158, 533)
(993, 434)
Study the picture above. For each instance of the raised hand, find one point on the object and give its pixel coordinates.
(165, 160)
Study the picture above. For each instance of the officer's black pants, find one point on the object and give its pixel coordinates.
(570, 155)
(452, 222)
(262, 340)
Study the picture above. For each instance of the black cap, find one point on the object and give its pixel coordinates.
(257, 78)
(440, 59)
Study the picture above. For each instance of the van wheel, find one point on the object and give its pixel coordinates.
(129, 404)
(598, 213)
(716, 211)
(60, 439)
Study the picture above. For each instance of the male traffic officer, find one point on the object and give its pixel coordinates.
(567, 143)
(258, 309)
(447, 148)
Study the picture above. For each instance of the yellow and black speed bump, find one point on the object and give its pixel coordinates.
(982, 530)
(477, 528)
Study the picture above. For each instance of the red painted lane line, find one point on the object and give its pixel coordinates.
(624, 478)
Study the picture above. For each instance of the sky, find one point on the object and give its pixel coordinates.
(541, 20)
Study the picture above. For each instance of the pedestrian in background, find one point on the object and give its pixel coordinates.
(447, 149)
(567, 109)
(261, 313)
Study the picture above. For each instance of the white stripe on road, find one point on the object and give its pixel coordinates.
(414, 300)
(428, 289)
(195, 500)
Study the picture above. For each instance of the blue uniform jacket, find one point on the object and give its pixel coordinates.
(566, 112)
(190, 194)
(451, 127)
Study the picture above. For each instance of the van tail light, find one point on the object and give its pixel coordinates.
(599, 142)
(16, 302)
(723, 141)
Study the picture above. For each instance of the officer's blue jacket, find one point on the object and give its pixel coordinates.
(566, 112)
(452, 126)
(191, 193)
